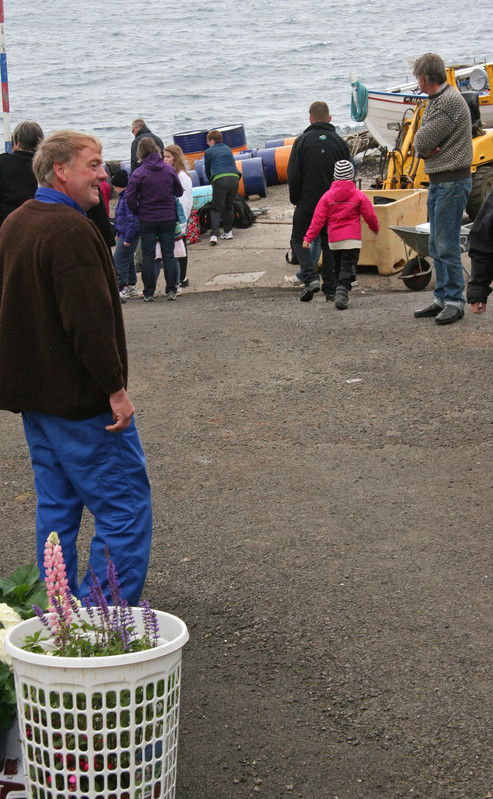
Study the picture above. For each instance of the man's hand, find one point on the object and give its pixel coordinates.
(478, 307)
(123, 411)
(306, 245)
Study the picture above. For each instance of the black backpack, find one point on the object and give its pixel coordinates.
(243, 215)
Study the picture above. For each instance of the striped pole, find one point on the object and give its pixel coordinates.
(5, 85)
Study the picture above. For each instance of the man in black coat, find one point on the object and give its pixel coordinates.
(481, 255)
(310, 174)
(140, 131)
(17, 181)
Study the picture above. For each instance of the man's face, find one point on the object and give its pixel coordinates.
(82, 177)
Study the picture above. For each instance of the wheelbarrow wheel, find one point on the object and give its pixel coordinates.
(413, 280)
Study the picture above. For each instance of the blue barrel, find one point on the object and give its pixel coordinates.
(126, 166)
(253, 177)
(243, 154)
(234, 136)
(280, 142)
(268, 157)
(192, 141)
(199, 168)
(195, 177)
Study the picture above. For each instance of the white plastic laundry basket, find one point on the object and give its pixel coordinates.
(103, 727)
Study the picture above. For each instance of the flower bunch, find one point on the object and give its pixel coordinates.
(17, 593)
(103, 630)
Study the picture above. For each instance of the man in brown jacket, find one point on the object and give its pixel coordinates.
(63, 364)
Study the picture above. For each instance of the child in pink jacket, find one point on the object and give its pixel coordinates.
(341, 208)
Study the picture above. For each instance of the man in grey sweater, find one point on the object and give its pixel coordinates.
(444, 141)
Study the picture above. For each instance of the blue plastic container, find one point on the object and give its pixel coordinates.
(201, 196)
(234, 136)
(268, 157)
(253, 173)
(199, 168)
(195, 177)
(192, 141)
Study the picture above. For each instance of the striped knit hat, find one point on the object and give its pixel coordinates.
(343, 170)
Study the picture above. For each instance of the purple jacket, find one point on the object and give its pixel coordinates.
(152, 189)
(126, 224)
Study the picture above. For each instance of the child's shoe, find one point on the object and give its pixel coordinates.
(341, 298)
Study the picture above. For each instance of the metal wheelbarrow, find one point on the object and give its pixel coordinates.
(417, 270)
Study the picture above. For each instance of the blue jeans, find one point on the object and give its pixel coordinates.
(150, 233)
(317, 246)
(123, 258)
(77, 464)
(172, 277)
(301, 223)
(446, 204)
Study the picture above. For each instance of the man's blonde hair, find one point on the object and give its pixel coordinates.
(63, 145)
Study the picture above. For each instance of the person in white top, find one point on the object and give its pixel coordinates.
(173, 154)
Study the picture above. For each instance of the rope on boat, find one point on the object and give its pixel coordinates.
(359, 101)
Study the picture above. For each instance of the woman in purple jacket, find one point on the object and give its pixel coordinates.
(150, 195)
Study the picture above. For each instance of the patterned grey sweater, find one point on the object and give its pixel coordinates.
(446, 124)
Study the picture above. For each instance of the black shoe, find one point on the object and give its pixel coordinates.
(329, 298)
(431, 310)
(341, 299)
(449, 314)
(309, 291)
(184, 283)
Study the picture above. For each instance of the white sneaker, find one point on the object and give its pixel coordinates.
(124, 292)
(179, 292)
(132, 291)
(213, 240)
(228, 235)
(292, 280)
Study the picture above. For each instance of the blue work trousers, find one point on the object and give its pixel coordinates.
(77, 464)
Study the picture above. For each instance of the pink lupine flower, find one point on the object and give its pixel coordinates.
(57, 584)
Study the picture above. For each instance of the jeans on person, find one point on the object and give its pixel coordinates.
(171, 276)
(446, 204)
(301, 222)
(224, 190)
(78, 463)
(318, 246)
(123, 258)
(151, 232)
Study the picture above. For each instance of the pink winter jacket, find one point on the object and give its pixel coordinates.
(342, 207)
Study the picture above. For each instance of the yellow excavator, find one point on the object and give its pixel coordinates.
(405, 170)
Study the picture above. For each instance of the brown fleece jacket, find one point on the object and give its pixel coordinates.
(62, 340)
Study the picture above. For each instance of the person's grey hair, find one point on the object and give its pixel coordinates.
(27, 135)
(145, 147)
(431, 67)
(138, 123)
(63, 146)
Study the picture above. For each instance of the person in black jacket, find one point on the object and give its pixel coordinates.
(17, 180)
(310, 174)
(481, 255)
(140, 131)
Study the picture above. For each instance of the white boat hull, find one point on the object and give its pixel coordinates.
(386, 111)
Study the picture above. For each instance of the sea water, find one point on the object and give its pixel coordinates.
(196, 64)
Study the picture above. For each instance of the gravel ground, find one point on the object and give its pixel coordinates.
(321, 484)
